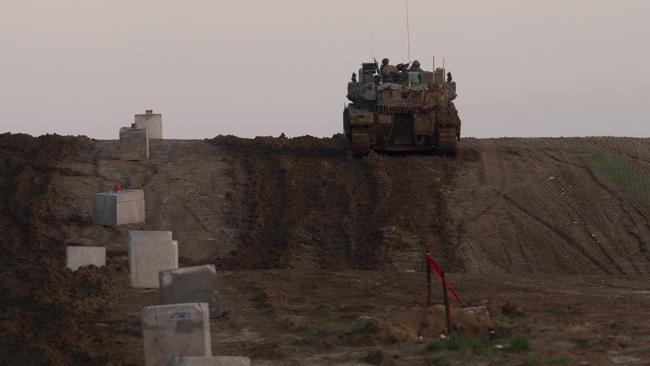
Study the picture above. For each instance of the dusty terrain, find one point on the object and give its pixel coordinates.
(321, 254)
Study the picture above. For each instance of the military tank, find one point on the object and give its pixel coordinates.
(404, 110)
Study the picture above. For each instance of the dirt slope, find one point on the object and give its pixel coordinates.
(519, 206)
(577, 206)
(574, 206)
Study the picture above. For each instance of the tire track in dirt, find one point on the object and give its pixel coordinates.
(627, 219)
(560, 233)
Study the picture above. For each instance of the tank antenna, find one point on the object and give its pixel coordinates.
(408, 30)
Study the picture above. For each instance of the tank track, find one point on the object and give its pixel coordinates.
(447, 141)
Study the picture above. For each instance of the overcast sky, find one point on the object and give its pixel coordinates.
(523, 67)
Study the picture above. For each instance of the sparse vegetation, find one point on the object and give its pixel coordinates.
(465, 345)
(558, 361)
(346, 327)
(623, 172)
(517, 343)
(538, 360)
(440, 361)
(503, 320)
(532, 361)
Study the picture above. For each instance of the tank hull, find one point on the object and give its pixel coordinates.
(367, 130)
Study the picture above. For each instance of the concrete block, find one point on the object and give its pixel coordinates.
(140, 236)
(113, 209)
(149, 253)
(134, 143)
(152, 122)
(211, 361)
(76, 257)
(176, 330)
(191, 284)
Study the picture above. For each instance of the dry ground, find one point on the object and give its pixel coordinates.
(321, 254)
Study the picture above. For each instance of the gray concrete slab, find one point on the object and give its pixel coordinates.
(134, 143)
(152, 122)
(76, 256)
(211, 361)
(175, 330)
(141, 236)
(191, 284)
(113, 209)
(150, 253)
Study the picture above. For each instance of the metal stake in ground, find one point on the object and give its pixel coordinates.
(446, 298)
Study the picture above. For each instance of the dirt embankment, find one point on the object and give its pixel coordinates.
(47, 313)
(574, 206)
(521, 206)
(305, 203)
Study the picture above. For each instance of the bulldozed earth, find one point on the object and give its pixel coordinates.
(321, 255)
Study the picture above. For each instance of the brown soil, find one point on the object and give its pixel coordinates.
(322, 254)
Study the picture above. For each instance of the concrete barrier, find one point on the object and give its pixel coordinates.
(141, 236)
(149, 253)
(152, 122)
(191, 284)
(176, 330)
(76, 257)
(211, 361)
(113, 209)
(134, 144)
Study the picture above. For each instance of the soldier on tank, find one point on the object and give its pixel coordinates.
(415, 66)
(388, 71)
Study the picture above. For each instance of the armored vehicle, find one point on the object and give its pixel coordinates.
(401, 109)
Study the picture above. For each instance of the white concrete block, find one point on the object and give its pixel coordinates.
(211, 361)
(149, 253)
(76, 257)
(113, 209)
(191, 284)
(176, 330)
(152, 122)
(134, 143)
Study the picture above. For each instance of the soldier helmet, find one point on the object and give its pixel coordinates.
(416, 63)
(384, 61)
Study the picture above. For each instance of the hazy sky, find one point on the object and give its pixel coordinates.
(523, 67)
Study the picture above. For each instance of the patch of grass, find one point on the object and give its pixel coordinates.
(346, 327)
(466, 345)
(532, 361)
(537, 360)
(517, 343)
(503, 320)
(614, 142)
(441, 361)
(622, 171)
(323, 312)
(558, 361)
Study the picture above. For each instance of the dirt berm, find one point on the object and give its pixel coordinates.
(504, 206)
